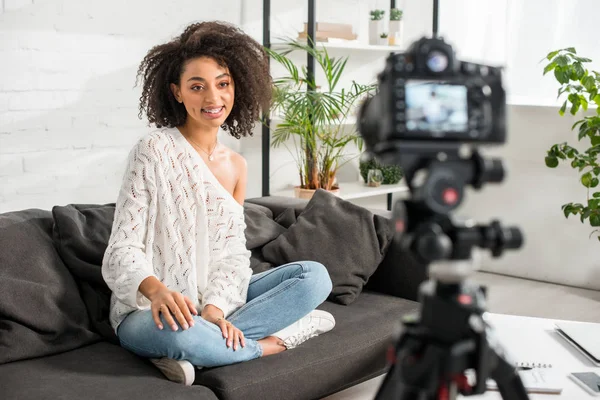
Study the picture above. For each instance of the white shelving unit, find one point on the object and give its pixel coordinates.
(348, 121)
(349, 45)
(358, 190)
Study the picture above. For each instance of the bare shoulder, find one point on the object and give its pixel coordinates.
(238, 161)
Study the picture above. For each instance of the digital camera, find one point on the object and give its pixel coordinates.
(426, 94)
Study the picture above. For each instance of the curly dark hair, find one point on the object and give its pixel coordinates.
(230, 47)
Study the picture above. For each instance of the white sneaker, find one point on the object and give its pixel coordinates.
(314, 324)
(180, 371)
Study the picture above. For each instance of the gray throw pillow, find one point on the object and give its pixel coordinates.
(349, 240)
(260, 227)
(287, 218)
(41, 311)
(81, 233)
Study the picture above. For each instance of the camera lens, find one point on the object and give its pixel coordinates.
(437, 61)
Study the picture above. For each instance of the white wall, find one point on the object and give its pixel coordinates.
(68, 106)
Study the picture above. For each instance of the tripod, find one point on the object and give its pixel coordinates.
(450, 335)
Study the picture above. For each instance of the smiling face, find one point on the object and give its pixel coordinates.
(206, 89)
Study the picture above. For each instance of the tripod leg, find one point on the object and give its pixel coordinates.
(507, 378)
(393, 386)
(413, 374)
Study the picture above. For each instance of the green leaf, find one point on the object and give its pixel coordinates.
(549, 67)
(578, 71)
(595, 140)
(571, 50)
(585, 214)
(551, 55)
(596, 194)
(589, 83)
(595, 219)
(586, 179)
(551, 162)
(594, 182)
(562, 60)
(583, 130)
(596, 171)
(583, 102)
(567, 209)
(563, 108)
(577, 123)
(562, 74)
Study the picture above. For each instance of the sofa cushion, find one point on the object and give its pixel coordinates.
(81, 234)
(260, 227)
(99, 371)
(41, 311)
(349, 240)
(354, 351)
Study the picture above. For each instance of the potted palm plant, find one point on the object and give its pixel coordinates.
(313, 117)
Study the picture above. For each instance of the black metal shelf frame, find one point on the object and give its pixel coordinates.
(310, 67)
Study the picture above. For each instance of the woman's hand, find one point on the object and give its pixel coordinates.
(233, 335)
(171, 303)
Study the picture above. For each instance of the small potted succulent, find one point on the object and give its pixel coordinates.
(395, 27)
(376, 26)
(383, 39)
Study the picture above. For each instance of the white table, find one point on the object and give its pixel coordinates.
(357, 190)
(529, 338)
(525, 338)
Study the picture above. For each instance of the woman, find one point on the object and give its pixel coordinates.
(177, 264)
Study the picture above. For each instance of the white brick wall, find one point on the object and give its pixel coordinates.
(68, 106)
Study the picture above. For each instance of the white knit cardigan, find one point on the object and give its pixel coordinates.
(175, 221)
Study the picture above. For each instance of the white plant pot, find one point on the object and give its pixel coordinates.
(395, 33)
(375, 29)
(382, 41)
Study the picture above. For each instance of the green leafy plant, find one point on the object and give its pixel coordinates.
(377, 15)
(383, 35)
(313, 117)
(391, 173)
(395, 14)
(581, 87)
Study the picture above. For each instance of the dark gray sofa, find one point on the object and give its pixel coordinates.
(55, 344)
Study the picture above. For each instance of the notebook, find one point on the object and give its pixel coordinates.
(538, 380)
(584, 336)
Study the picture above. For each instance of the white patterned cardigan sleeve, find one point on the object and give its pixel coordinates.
(229, 273)
(125, 264)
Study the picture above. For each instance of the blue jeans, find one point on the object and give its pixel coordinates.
(276, 298)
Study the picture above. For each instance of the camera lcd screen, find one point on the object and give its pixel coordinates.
(436, 107)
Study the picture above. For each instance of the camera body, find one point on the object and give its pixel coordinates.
(430, 107)
(426, 94)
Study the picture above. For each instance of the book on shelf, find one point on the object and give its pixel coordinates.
(321, 36)
(328, 30)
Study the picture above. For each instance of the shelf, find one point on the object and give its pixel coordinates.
(350, 45)
(356, 190)
(348, 121)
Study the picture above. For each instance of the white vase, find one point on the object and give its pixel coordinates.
(382, 41)
(395, 33)
(375, 29)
